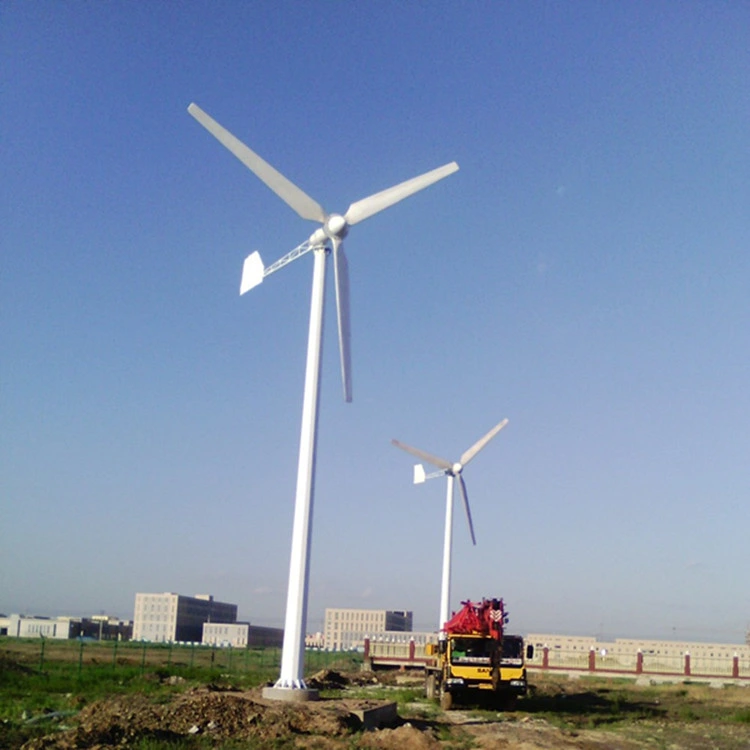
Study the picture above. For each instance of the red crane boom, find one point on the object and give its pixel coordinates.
(479, 618)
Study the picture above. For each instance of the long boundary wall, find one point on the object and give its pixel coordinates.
(580, 654)
(686, 658)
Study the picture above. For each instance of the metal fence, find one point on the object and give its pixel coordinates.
(42, 654)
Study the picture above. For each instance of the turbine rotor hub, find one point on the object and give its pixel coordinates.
(336, 226)
(456, 469)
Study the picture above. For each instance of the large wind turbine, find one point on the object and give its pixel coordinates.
(334, 227)
(452, 470)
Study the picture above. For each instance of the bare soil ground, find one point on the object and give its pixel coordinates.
(215, 717)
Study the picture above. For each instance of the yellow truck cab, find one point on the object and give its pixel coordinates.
(477, 659)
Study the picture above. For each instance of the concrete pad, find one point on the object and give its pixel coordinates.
(377, 716)
(290, 695)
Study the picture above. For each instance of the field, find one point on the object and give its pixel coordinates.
(92, 696)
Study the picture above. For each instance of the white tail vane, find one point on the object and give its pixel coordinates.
(327, 239)
(453, 471)
(252, 272)
(419, 476)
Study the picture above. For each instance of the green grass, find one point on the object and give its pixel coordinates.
(40, 679)
(598, 703)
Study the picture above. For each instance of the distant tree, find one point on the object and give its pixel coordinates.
(747, 637)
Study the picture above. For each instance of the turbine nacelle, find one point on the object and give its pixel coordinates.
(456, 469)
(335, 228)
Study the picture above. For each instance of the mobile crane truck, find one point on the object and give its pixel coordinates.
(473, 654)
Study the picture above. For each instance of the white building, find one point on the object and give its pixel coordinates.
(233, 634)
(346, 629)
(22, 626)
(241, 635)
(169, 617)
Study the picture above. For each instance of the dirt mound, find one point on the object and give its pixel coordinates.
(328, 679)
(122, 720)
(405, 737)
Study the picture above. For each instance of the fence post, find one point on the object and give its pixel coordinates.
(735, 666)
(41, 656)
(114, 656)
(367, 648)
(412, 649)
(143, 659)
(545, 657)
(592, 659)
(80, 659)
(687, 664)
(639, 662)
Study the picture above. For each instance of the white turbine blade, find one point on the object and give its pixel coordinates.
(469, 454)
(462, 486)
(302, 203)
(341, 280)
(419, 474)
(441, 463)
(367, 207)
(252, 272)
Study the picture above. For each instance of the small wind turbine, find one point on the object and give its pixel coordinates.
(452, 471)
(334, 227)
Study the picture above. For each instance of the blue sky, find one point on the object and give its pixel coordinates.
(584, 274)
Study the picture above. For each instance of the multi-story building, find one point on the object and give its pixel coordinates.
(346, 629)
(233, 634)
(173, 617)
(241, 635)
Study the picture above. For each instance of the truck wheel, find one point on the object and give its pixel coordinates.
(446, 701)
(430, 686)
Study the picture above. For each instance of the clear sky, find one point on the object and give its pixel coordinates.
(584, 274)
